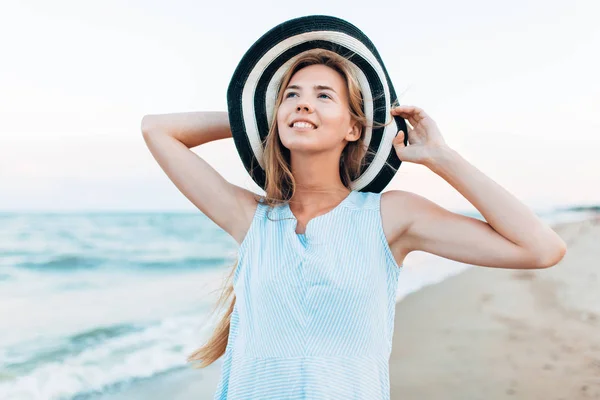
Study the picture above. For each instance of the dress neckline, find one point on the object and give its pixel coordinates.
(318, 217)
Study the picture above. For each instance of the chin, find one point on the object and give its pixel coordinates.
(299, 145)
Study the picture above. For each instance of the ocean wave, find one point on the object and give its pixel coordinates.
(68, 262)
(101, 334)
(184, 263)
(100, 359)
(63, 262)
(24, 358)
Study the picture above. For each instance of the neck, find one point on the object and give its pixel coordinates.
(318, 182)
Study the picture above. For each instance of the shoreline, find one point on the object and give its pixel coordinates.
(483, 333)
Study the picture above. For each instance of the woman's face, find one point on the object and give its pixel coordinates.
(317, 94)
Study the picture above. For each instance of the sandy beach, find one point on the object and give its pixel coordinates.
(483, 334)
(505, 334)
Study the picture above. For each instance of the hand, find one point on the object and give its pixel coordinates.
(424, 138)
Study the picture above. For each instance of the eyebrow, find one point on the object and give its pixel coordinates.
(315, 87)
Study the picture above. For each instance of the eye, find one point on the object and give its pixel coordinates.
(289, 94)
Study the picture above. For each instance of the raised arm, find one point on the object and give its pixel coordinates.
(513, 236)
(170, 137)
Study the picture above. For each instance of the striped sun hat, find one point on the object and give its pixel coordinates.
(252, 92)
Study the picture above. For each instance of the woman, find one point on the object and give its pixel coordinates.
(315, 283)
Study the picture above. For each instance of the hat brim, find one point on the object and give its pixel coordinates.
(252, 92)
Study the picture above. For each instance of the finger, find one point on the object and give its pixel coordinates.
(411, 121)
(414, 117)
(399, 139)
(406, 116)
(398, 144)
(410, 112)
(414, 110)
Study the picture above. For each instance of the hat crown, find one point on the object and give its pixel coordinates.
(253, 89)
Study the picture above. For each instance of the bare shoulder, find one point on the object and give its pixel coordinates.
(399, 208)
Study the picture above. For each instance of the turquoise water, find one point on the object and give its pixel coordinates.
(91, 302)
(88, 301)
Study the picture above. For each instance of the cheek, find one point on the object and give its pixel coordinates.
(334, 114)
(335, 121)
(282, 113)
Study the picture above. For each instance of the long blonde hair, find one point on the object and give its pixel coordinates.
(280, 184)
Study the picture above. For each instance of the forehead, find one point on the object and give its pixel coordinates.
(318, 75)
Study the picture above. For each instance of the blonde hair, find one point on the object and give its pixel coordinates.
(280, 184)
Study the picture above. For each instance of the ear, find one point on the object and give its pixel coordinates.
(354, 132)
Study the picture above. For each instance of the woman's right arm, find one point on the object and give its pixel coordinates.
(170, 137)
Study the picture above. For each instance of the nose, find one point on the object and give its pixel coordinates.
(304, 107)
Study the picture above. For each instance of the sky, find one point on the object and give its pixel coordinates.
(512, 85)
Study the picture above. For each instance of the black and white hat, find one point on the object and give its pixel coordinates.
(252, 92)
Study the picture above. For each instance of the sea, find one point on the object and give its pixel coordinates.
(94, 302)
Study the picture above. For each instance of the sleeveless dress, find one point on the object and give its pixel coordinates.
(314, 312)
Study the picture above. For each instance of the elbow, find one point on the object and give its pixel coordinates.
(146, 124)
(551, 255)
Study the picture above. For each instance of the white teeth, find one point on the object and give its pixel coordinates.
(302, 124)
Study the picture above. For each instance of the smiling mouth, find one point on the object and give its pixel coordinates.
(303, 126)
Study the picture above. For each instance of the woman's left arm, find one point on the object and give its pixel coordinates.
(513, 236)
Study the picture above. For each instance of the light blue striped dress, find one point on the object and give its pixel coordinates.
(314, 313)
